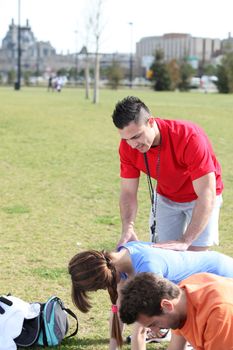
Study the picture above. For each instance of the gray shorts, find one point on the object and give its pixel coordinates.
(172, 219)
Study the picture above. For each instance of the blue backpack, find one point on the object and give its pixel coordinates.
(49, 328)
(54, 322)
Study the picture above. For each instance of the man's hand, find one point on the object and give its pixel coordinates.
(127, 237)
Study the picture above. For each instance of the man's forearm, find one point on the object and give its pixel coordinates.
(128, 211)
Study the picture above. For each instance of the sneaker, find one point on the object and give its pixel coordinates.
(162, 336)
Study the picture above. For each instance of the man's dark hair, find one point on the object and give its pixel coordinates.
(128, 110)
(143, 295)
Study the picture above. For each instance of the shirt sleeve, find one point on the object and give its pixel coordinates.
(198, 157)
(127, 168)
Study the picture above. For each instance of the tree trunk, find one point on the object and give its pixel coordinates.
(87, 78)
(96, 80)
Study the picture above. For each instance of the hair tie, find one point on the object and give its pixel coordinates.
(114, 309)
(108, 262)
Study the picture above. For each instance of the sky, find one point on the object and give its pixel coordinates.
(123, 22)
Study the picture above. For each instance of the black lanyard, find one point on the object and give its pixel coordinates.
(153, 195)
(150, 186)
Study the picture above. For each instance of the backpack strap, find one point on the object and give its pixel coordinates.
(42, 326)
(5, 301)
(71, 313)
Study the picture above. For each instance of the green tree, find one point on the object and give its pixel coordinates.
(228, 64)
(115, 74)
(160, 75)
(225, 74)
(72, 73)
(26, 77)
(11, 76)
(210, 69)
(186, 72)
(62, 72)
(222, 82)
(174, 72)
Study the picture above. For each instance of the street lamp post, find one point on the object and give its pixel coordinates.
(18, 83)
(131, 56)
(76, 57)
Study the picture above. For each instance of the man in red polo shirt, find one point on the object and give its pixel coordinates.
(189, 186)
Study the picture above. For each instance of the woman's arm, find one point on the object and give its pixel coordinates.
(177, 342)
(138, 337)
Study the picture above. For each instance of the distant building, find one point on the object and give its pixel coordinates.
(40, 57)
(227, 44)
(106, 59)
(36, 56)
(33, 53)
(177, 46)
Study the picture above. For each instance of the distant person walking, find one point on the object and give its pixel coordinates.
(58, 84)
(50, 83)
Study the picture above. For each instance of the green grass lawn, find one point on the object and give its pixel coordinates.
(60, 183)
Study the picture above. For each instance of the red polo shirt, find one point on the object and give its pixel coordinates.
(185, 155)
